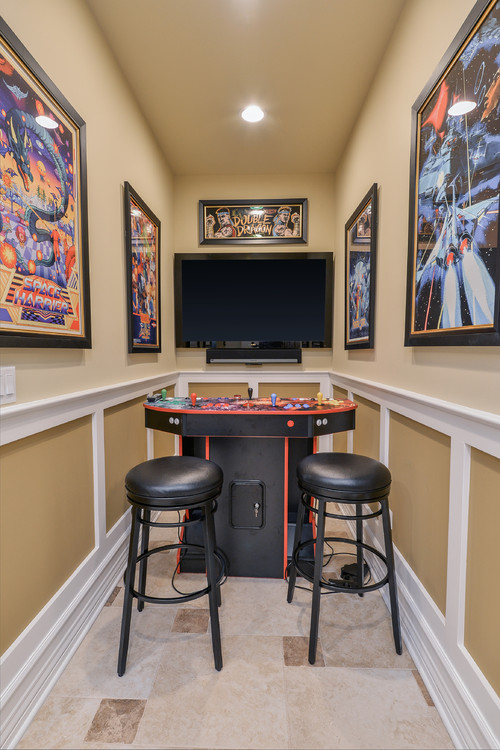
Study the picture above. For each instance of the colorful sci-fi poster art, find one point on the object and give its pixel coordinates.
(360, 264)
(142, 241)
(453, 261)
(44, 288)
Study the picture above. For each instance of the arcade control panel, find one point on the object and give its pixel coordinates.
(237, 416)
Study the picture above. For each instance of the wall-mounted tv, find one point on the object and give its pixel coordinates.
(253, 307)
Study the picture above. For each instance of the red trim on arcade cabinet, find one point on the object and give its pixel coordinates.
(312, 516)
(285, 512)
(182, 530)
(207, 448)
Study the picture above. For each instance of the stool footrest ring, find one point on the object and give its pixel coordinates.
(331, 586)
(181, 597)
(343, 516)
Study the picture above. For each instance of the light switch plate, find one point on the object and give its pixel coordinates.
(7, 385)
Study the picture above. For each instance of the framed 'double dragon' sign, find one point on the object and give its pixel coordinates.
(44, 274)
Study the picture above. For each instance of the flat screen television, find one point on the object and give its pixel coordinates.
(253, 307)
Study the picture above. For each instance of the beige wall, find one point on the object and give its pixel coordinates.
(317, 188)
(46, 519)
(124, 447)
(65, 42)
(164, 442)
(340, 438)
(379, 151)
(289, 390)
(215, 390)
(366, 436)
(419, 460)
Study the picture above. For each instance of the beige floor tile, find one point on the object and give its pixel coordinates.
(157, 534)
(357, 632)
(256, 606)
(92, 670)
(296, 651)
(191, 620)
(242, 706)
(360, 708)
(161, 582)
(114, 594)
(61, 722)
(116, 720)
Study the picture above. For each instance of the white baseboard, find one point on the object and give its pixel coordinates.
(35, 661)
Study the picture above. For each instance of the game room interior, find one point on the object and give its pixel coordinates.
(153, 92)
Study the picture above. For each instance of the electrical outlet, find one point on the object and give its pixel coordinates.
(7, 385)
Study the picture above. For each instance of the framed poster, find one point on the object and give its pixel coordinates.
(360, 268)
(142, 247)
(453, 276)
(44, 273)
(253, 222)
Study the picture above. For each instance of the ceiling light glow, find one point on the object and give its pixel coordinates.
(461, 108)
(252, 113)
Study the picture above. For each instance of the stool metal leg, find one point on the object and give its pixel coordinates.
(292, 572)
(127, 594)
(389, 554)
(143, 565)
(318, 570)
(214, 592)
(359, 551)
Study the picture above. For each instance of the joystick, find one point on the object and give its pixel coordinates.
(319, 396)
(273, 399)
(193, 399)
(164, 394)
(250, 391)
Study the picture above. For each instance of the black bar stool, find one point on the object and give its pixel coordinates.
(351, 479)
(188, 485)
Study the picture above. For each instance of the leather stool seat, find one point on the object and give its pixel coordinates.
(168, 481)
(190, 486)
(343, 478)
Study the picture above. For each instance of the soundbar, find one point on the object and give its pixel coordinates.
(253, 356)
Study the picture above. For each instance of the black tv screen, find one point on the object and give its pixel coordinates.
(257, 299)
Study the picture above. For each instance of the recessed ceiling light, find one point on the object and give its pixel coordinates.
(461, 108)
(46, 122)
(252, 114)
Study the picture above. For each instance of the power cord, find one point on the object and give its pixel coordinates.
(348, 575)
(182, 554)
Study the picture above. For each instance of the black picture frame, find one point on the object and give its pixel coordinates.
(453, 271)
(44, 254)
(360, 273)
(142, 250)
(253, 222)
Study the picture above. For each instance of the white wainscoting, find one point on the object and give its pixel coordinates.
(34, 662)
(467, 703)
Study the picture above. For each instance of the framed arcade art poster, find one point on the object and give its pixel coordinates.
(360, 267)
(142, 247)
(44, 274)
(253, 222)
(453, 281)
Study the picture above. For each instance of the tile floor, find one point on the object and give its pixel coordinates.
(359, 694)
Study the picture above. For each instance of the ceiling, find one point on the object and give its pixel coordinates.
(193, 65)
